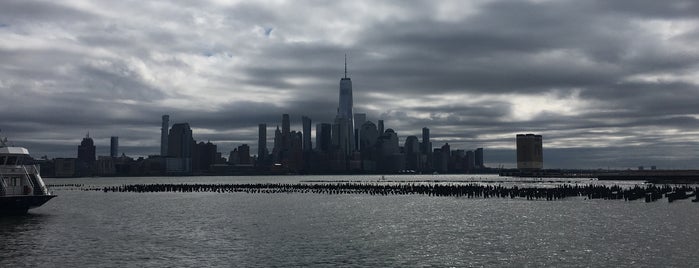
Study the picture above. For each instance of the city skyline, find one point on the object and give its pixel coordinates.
(606, 84)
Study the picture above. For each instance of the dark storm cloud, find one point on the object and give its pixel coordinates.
(602, 80)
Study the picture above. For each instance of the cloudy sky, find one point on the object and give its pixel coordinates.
(607, 83)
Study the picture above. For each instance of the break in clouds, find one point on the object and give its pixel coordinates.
(607, 83)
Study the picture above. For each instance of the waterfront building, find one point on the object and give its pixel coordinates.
(324, 137)
(307, 145)
(240, 155)
(390, 158)
(529, 152)
(471, 161)
(426, 149)
(276, 150)
(359, 120)
(342, 136)
(381, 127)
(114, 146)
(179, 146)
(345, 114)
(203, 156)
(261, 142)
(164, 136)
(106, 166)
(86, 162)
(285, 138)
(479, 158)
(412, 153)
(64, 167)
(426, 144)
(367, 144)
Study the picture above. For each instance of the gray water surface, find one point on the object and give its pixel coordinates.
(96, 229)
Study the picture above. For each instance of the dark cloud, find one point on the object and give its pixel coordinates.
(603, 81)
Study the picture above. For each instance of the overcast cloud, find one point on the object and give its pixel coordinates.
(607, 83)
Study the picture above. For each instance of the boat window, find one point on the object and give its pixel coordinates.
(2, 160)
(20, 160)
(11, 160)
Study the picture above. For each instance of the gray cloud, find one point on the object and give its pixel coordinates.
(603, 81)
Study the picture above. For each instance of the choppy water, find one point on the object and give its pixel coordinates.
(93, 229)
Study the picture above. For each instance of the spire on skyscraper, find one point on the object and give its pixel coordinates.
(345, 65)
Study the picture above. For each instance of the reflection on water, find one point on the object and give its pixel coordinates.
(94, 229)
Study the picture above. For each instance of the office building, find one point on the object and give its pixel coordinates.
(114, 146)
(479, 158)
(180, 143)
(530, 155)
(359, 120)
(262, 142)
(345, 139)
(307, 145)
(164, 135)
(86, 162)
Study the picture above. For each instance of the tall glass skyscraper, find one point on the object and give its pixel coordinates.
(345, 114)
(164, 135)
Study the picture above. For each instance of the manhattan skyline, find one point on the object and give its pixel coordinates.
(606, 84)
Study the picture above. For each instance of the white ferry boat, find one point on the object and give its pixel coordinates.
(21, 186)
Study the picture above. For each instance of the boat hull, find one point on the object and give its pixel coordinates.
(14, 205)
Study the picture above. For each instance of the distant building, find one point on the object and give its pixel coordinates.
(530, 155)
(390, 158)
(277, 147)
(285, 139)
(106, 166)
(114, 146)
(345, 116)
(368, 135)
(412, 153)
(262, 142)
(180, 143)
(342, 136)
(359, 120)
(426, 149)
(479, 158)
(470, 161)
(64, 167)
(324, 137)
(164, 135)
(86, 162)
(380, 127)
(244, 154)
(203, 156)
(307, 145)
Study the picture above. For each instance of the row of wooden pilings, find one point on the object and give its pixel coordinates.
(649, 193)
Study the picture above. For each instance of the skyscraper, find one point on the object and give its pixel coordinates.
(114, 146)
(86, 161)
(285, 138)
(412, 153)
(345, 114)
(426, 145)
(286, 125)
(324, 137)
(262, 142)
(306, 122)
(164, 136)
(479, 158)
(359, 119)
(530, 152)
(277, 149)
(381, 128)
(180, 143)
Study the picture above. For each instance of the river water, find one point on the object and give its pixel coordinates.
(97, 229)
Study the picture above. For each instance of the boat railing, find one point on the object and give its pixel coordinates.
(37, 185)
